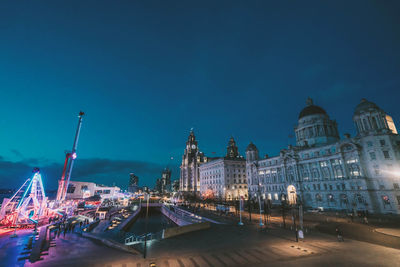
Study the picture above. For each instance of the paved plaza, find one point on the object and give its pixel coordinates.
(222, 245)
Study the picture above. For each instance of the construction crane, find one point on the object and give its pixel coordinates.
(68, 164)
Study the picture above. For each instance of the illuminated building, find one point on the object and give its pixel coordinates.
(78, 190)
(191, 160)
(133, 183)
(224, 177)
(354, 173)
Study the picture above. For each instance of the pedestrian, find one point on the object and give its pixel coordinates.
(65, 231)
(339, 235)
(365, 220)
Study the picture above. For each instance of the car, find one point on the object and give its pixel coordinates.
(316, 210)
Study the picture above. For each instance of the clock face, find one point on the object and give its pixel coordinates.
(193, 146)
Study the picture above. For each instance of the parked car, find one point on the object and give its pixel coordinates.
(316, 210)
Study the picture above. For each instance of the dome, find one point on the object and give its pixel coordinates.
(311, 109)
(365, 105)
(251, 147)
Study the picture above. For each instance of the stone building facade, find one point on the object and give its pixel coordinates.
(322, 170)
(224, 177)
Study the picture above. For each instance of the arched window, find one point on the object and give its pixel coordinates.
(326, 173)
(355, 170)
(374, 124)
(366, 126)
(338, 172)
(315, 173)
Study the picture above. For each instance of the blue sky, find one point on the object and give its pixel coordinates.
(145, 72)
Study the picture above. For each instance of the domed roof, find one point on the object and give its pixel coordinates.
(365, 105)
(311, 109)
(251, 147)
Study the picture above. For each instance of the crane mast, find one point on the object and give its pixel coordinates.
(68, 164)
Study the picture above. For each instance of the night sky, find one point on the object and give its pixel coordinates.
(145, 72)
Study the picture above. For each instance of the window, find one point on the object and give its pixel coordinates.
(372, 155)
(386, 154)
(396, 186)
(382, 142)
(369, 143)
(84, 187)
(71, 189)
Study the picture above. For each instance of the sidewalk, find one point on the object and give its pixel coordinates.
(388, 231)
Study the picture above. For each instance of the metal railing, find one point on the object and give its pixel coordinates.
(135, 239)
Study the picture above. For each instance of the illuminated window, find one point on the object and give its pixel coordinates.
(385, 200)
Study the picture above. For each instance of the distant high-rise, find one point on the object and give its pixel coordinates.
(166, 180)
(163, 184)
(133, 183)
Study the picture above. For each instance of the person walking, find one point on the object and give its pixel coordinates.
(339, 235)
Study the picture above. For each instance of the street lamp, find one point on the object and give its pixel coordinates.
(259, 202)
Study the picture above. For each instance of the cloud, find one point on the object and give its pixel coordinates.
(102, 171)
(16, 153)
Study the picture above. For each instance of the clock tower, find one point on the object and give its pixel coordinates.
(191, 160)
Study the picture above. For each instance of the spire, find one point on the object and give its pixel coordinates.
(309, 101)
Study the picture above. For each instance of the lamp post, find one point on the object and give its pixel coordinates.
(145, 227)
(240, 211)
(259, 203)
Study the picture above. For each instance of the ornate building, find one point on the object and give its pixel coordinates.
(322, 170)
(224, 177)
(191, 160)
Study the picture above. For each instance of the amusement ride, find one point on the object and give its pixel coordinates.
(29, 205)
